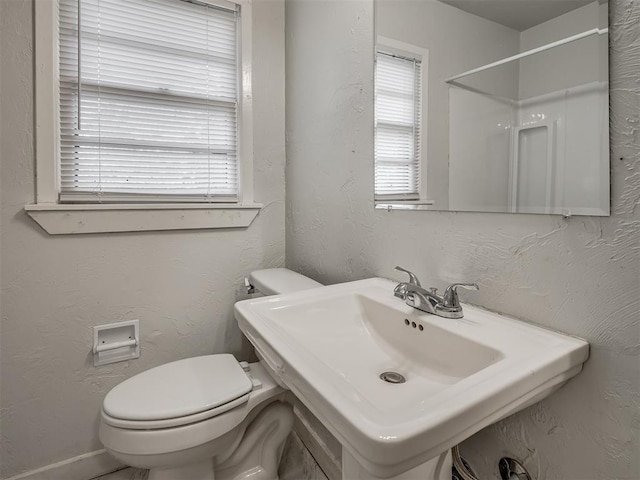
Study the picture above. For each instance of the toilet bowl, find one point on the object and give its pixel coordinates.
(203, 418)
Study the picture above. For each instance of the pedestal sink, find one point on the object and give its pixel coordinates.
(398, 387)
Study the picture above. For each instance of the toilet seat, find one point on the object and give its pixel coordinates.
(178, 421)
(178, 393)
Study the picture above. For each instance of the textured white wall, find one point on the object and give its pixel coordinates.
(581, 277)
(181, 285)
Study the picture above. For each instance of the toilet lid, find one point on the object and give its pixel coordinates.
(177, 389)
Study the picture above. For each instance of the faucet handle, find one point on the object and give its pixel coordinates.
(450, 297)
(412, 278)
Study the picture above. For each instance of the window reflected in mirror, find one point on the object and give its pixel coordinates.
(497, 106)
(398, 120)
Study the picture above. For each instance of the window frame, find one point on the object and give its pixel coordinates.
(391, 46)
(61, 218)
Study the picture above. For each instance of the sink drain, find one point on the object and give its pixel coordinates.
(392, 377)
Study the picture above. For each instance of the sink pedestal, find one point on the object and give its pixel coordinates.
(438, 468)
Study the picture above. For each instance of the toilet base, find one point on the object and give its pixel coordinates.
(257, 457)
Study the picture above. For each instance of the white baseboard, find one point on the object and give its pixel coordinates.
(82, 467)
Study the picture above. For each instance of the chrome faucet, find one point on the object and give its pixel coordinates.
(447, 305)
(401, 289)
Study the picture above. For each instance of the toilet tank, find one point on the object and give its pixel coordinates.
(273, 281)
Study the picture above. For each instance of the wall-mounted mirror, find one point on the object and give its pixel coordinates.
(492, 106)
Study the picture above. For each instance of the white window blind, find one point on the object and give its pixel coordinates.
(398, 106)
(148, 101)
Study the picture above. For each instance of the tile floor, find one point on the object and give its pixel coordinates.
(125, 474)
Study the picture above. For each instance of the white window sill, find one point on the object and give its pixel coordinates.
(64, 219)
(404, 204)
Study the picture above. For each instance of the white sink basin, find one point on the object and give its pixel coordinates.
(329, 345)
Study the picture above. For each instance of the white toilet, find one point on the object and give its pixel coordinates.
(204, 417)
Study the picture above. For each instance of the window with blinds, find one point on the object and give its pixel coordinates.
(398, 118)
(148, 101)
